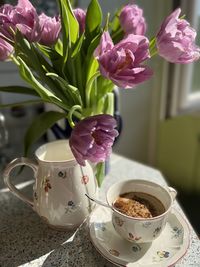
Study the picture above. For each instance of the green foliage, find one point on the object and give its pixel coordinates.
(65, 74)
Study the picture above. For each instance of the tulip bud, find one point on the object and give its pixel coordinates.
(50, 29)
(132, 20)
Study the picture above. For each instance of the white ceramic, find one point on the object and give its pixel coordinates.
(60, 185)
(165, 251)
(134, 229)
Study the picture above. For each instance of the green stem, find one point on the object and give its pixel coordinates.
(116, 33)
(79, 77)
(107, 22)
(89, 89)
(153, 53)
(110, 104)
(100, 172)
(152, 47)
(70, 114)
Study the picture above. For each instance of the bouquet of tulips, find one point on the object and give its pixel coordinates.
(75, 59)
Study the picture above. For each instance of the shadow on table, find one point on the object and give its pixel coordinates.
(23, 235)
(77, 252)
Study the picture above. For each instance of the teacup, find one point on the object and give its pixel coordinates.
(140, 230)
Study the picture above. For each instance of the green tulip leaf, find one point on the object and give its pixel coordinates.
(77, 46)
(23, 103)
(93, 17)
(28, 76)
(71, 92)
(18, 90)
(70, 26)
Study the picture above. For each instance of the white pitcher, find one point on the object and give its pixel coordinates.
(60, 185)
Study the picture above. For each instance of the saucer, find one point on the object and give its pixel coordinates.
(165, 251)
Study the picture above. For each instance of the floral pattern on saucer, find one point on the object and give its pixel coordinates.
(114, 252)
(165, 250)
(161, 255)
(177, 232)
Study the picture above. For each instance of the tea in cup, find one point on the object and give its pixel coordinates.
(140, 209)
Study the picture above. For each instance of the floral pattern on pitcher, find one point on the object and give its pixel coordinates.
(84, 179)
(71, 207)
(35, 195)
(62, 174)
(46, 185)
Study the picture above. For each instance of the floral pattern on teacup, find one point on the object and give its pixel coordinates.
(157, 231)
(146, 224)
(133, 238)
(136, 248)
(114, 252)
(84, 179)
(176, 232)
(118, 221)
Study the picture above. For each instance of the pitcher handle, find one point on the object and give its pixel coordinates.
(6, 175)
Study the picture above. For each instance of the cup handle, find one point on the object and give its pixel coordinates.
(6, 175)
(172, 192)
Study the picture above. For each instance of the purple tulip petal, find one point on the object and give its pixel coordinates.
(106, 44)
(23, 17)
(96, 145)
(5, 50)
(121, 63)
(176, 40)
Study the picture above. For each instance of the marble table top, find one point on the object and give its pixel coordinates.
(25, 240)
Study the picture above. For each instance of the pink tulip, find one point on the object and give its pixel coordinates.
(132, 20)
(176, 40)
(121, 63)
(80, 15)
(6, 20)
(50, 29)
(23, 17)
(92, 138)
(5, 50)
